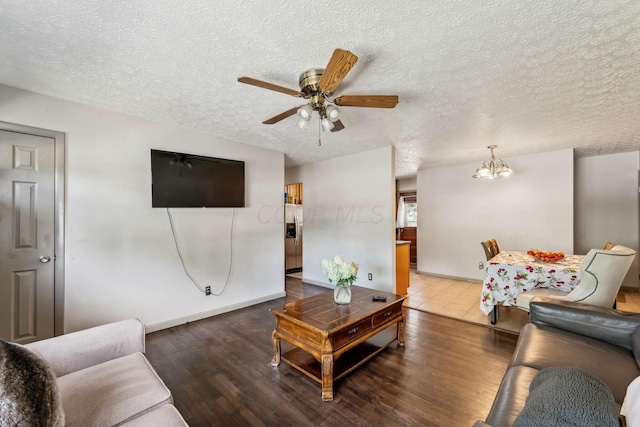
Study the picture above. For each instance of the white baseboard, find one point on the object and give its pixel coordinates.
(154, 327)
(444, 276)
(370, 285)
(318, 283)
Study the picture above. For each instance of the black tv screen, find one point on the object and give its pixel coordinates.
(180, 180)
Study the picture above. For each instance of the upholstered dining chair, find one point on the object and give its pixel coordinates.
(601, 274)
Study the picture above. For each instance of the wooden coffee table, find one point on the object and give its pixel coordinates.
(331, 340)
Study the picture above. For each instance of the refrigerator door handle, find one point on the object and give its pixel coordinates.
(295, 220)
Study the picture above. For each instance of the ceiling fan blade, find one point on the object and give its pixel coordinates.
(371, 101)
(270, 86)
(337, 125)
(281, 116)
(341, 62)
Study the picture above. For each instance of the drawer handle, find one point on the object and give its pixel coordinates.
(353, 330)
(387, 314)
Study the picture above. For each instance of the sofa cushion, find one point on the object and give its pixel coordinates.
(82, 349)
(28, 390)
(163, 416)
(543, 347)
(605, 324)
(112, 392)
(566, 396)
(511, 396)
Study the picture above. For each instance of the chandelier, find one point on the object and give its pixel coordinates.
(492, 168)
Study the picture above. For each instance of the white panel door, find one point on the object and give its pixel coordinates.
(27, 201)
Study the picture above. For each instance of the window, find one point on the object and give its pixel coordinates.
(411, 214)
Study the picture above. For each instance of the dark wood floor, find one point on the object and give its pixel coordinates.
(219, 372)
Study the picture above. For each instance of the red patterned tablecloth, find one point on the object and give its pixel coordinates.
(510, 273)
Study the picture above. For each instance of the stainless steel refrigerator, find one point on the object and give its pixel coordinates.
(293, 238)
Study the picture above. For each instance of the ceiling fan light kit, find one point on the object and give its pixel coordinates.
(303, 124)
(492, 168)
(305, 112)
(333, 112)
(317, 86)
(327, 125)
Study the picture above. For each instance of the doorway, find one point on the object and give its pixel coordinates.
(409, 230)
(293, 230)
(31, 233)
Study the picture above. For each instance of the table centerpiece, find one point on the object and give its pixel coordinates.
(343, 274)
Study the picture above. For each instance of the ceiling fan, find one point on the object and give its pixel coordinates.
(317, 86)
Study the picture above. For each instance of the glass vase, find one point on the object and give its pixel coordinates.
(342, 294)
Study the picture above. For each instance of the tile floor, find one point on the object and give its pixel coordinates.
(628, 301)
(461, 300)
(458, 299)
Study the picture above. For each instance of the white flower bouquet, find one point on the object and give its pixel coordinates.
(340, 271)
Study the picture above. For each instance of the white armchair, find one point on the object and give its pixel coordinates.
(101, 378)
(601, 274)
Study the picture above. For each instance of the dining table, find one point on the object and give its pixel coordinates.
(510, 273)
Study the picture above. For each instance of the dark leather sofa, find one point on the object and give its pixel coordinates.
(598, 340)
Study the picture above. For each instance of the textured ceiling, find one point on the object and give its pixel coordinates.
(529, 76)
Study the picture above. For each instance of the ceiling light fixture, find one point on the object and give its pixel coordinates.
(326, 123)
(328, 116)
(333, 112)
(492, 168)
(305, 111)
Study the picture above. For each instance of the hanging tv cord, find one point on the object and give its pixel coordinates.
(184, 266)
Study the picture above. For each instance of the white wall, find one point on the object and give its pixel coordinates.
(533, 208)
(407, 184)
(292, 176)
(606, 204)
(120, 257)
(349, 211)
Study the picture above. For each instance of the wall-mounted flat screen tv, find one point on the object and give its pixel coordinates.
(180, 180)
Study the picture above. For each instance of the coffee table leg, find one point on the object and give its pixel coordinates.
(401, 332)
(327, 377)
(276, 349)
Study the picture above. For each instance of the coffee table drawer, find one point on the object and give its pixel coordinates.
(342, 338)
(384, 316)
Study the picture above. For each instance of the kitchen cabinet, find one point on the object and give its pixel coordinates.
(402, 267)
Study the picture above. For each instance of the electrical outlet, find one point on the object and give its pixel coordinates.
(207, 290)
(481, 265)
(370, 276)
